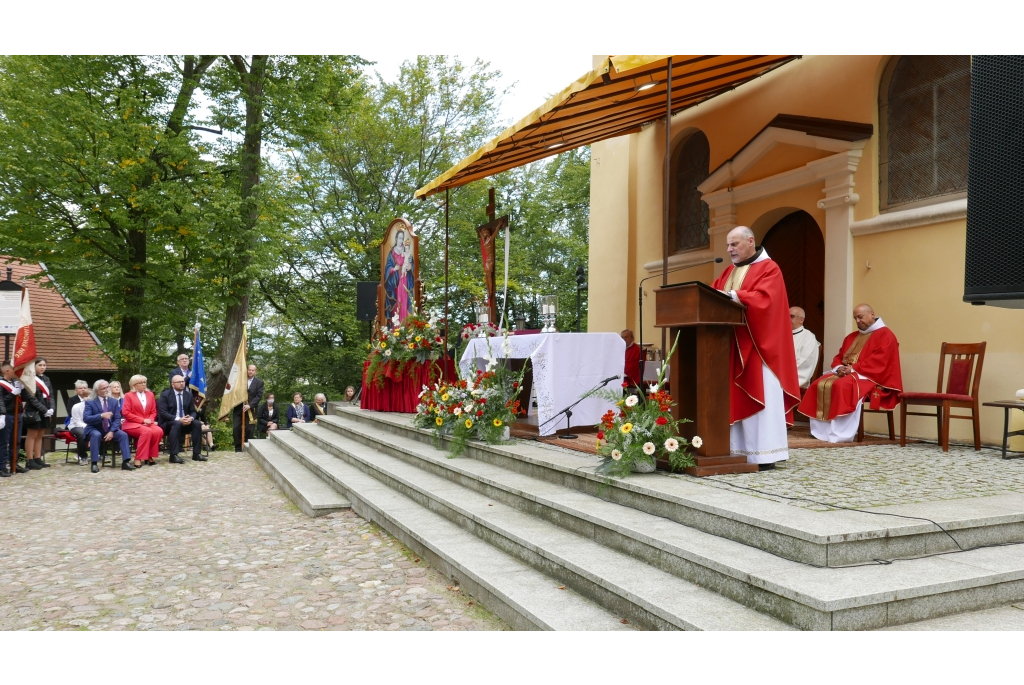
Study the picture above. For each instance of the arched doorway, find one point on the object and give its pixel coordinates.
(796, 244)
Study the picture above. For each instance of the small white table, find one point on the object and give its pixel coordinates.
(565, 366)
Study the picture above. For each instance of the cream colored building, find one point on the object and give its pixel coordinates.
(870, 151)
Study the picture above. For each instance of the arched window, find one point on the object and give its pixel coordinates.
(924, 116)
(688, 214)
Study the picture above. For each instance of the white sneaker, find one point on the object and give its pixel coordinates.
(82, 461)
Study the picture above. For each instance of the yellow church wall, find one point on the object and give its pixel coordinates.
(915, 284)
(817, 86)
(916, 276)
(612, 266)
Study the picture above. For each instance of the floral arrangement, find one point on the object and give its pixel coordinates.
(412, 340)
(641, 432)
(482, 405)
(481, 330)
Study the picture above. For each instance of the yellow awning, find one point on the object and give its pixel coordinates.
(613, 100)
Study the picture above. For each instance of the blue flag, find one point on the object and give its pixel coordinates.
(197, 376)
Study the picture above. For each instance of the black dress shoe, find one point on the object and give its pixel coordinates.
(766, 467)
(175, 459)
(127, 465)
(43, 464)
(150, 462)
(95, 468)
(238, 450)
(20, 469)
(199, 457)
(34, 465)
(4, 473)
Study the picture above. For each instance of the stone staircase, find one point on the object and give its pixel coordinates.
(537, 538)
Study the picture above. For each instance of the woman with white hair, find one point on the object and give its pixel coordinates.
(319, 407)
(138, 420)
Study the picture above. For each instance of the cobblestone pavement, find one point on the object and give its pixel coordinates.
(880, 475)
(205, 546)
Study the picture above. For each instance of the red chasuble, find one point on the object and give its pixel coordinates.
(876, 356)
(767, 337)
(631, 372)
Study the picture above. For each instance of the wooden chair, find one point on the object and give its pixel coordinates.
(891, 413)
(961, 392)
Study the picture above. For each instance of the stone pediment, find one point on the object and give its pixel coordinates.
(790, 151)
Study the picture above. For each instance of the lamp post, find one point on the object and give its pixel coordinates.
(581, 285)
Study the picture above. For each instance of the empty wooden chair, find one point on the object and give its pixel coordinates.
(961, 392)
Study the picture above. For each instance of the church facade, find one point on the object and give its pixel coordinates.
(852, 173)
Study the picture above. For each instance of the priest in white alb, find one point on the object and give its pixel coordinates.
(762, 362)
(805, 345)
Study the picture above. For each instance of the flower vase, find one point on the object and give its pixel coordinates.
(643, 466)
(506, 434)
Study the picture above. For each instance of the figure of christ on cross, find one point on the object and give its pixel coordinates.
(487, 234)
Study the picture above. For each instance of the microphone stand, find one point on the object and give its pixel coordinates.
(568, 410)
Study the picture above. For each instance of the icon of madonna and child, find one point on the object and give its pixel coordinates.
(399, 275)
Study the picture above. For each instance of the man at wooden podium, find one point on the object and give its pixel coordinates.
(763, 360)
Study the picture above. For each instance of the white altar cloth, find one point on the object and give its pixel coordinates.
(565, 366)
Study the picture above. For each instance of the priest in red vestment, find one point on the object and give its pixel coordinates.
(763, 361)
(866, 368)
(631, 374)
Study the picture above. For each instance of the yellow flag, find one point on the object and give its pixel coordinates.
(236, 391)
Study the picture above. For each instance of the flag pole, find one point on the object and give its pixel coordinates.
(245, 356)
(192, 372)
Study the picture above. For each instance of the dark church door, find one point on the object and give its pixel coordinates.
(797, 246)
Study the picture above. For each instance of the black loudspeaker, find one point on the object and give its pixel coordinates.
(366, 300)
(994, 266)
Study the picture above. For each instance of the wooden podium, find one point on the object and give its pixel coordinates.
(704, 319)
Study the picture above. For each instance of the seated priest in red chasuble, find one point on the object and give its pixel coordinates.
(763, 361)
(867, 367)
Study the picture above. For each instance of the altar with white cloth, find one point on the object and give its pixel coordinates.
(565, 366)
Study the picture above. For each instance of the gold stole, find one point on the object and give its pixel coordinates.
(735, 280)
(825, 387)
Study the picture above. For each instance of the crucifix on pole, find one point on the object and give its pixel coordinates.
(487, 233)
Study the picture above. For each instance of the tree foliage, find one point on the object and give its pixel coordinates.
(149, 224)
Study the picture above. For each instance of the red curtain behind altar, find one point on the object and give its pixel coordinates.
(402, 395)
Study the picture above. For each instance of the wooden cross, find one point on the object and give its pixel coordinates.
(486, 233)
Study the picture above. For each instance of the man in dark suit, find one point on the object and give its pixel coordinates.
(102, 417)
(180, 370)
(176, 413)
(255, 397)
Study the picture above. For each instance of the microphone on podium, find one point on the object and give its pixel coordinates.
(718, 260)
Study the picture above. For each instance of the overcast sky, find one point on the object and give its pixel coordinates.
(533, 77)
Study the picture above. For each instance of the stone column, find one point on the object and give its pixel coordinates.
(838, 205)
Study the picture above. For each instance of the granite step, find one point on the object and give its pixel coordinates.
(522, 596)
(624, 585)
(863, 597)
(829, 538)
(310, 494)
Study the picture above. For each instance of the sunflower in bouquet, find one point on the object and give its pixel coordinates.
(480, 405)
(638, 432)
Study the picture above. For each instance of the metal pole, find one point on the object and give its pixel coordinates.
(7, 338)
(665, 191)
(446, 275)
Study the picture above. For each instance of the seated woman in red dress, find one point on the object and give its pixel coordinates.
(138, 420)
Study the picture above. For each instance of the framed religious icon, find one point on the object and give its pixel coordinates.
(400, 290)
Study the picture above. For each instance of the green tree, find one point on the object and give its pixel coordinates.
(103, 179)
(269, 101)
(346, 182)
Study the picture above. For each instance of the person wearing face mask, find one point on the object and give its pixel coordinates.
(268, 416)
